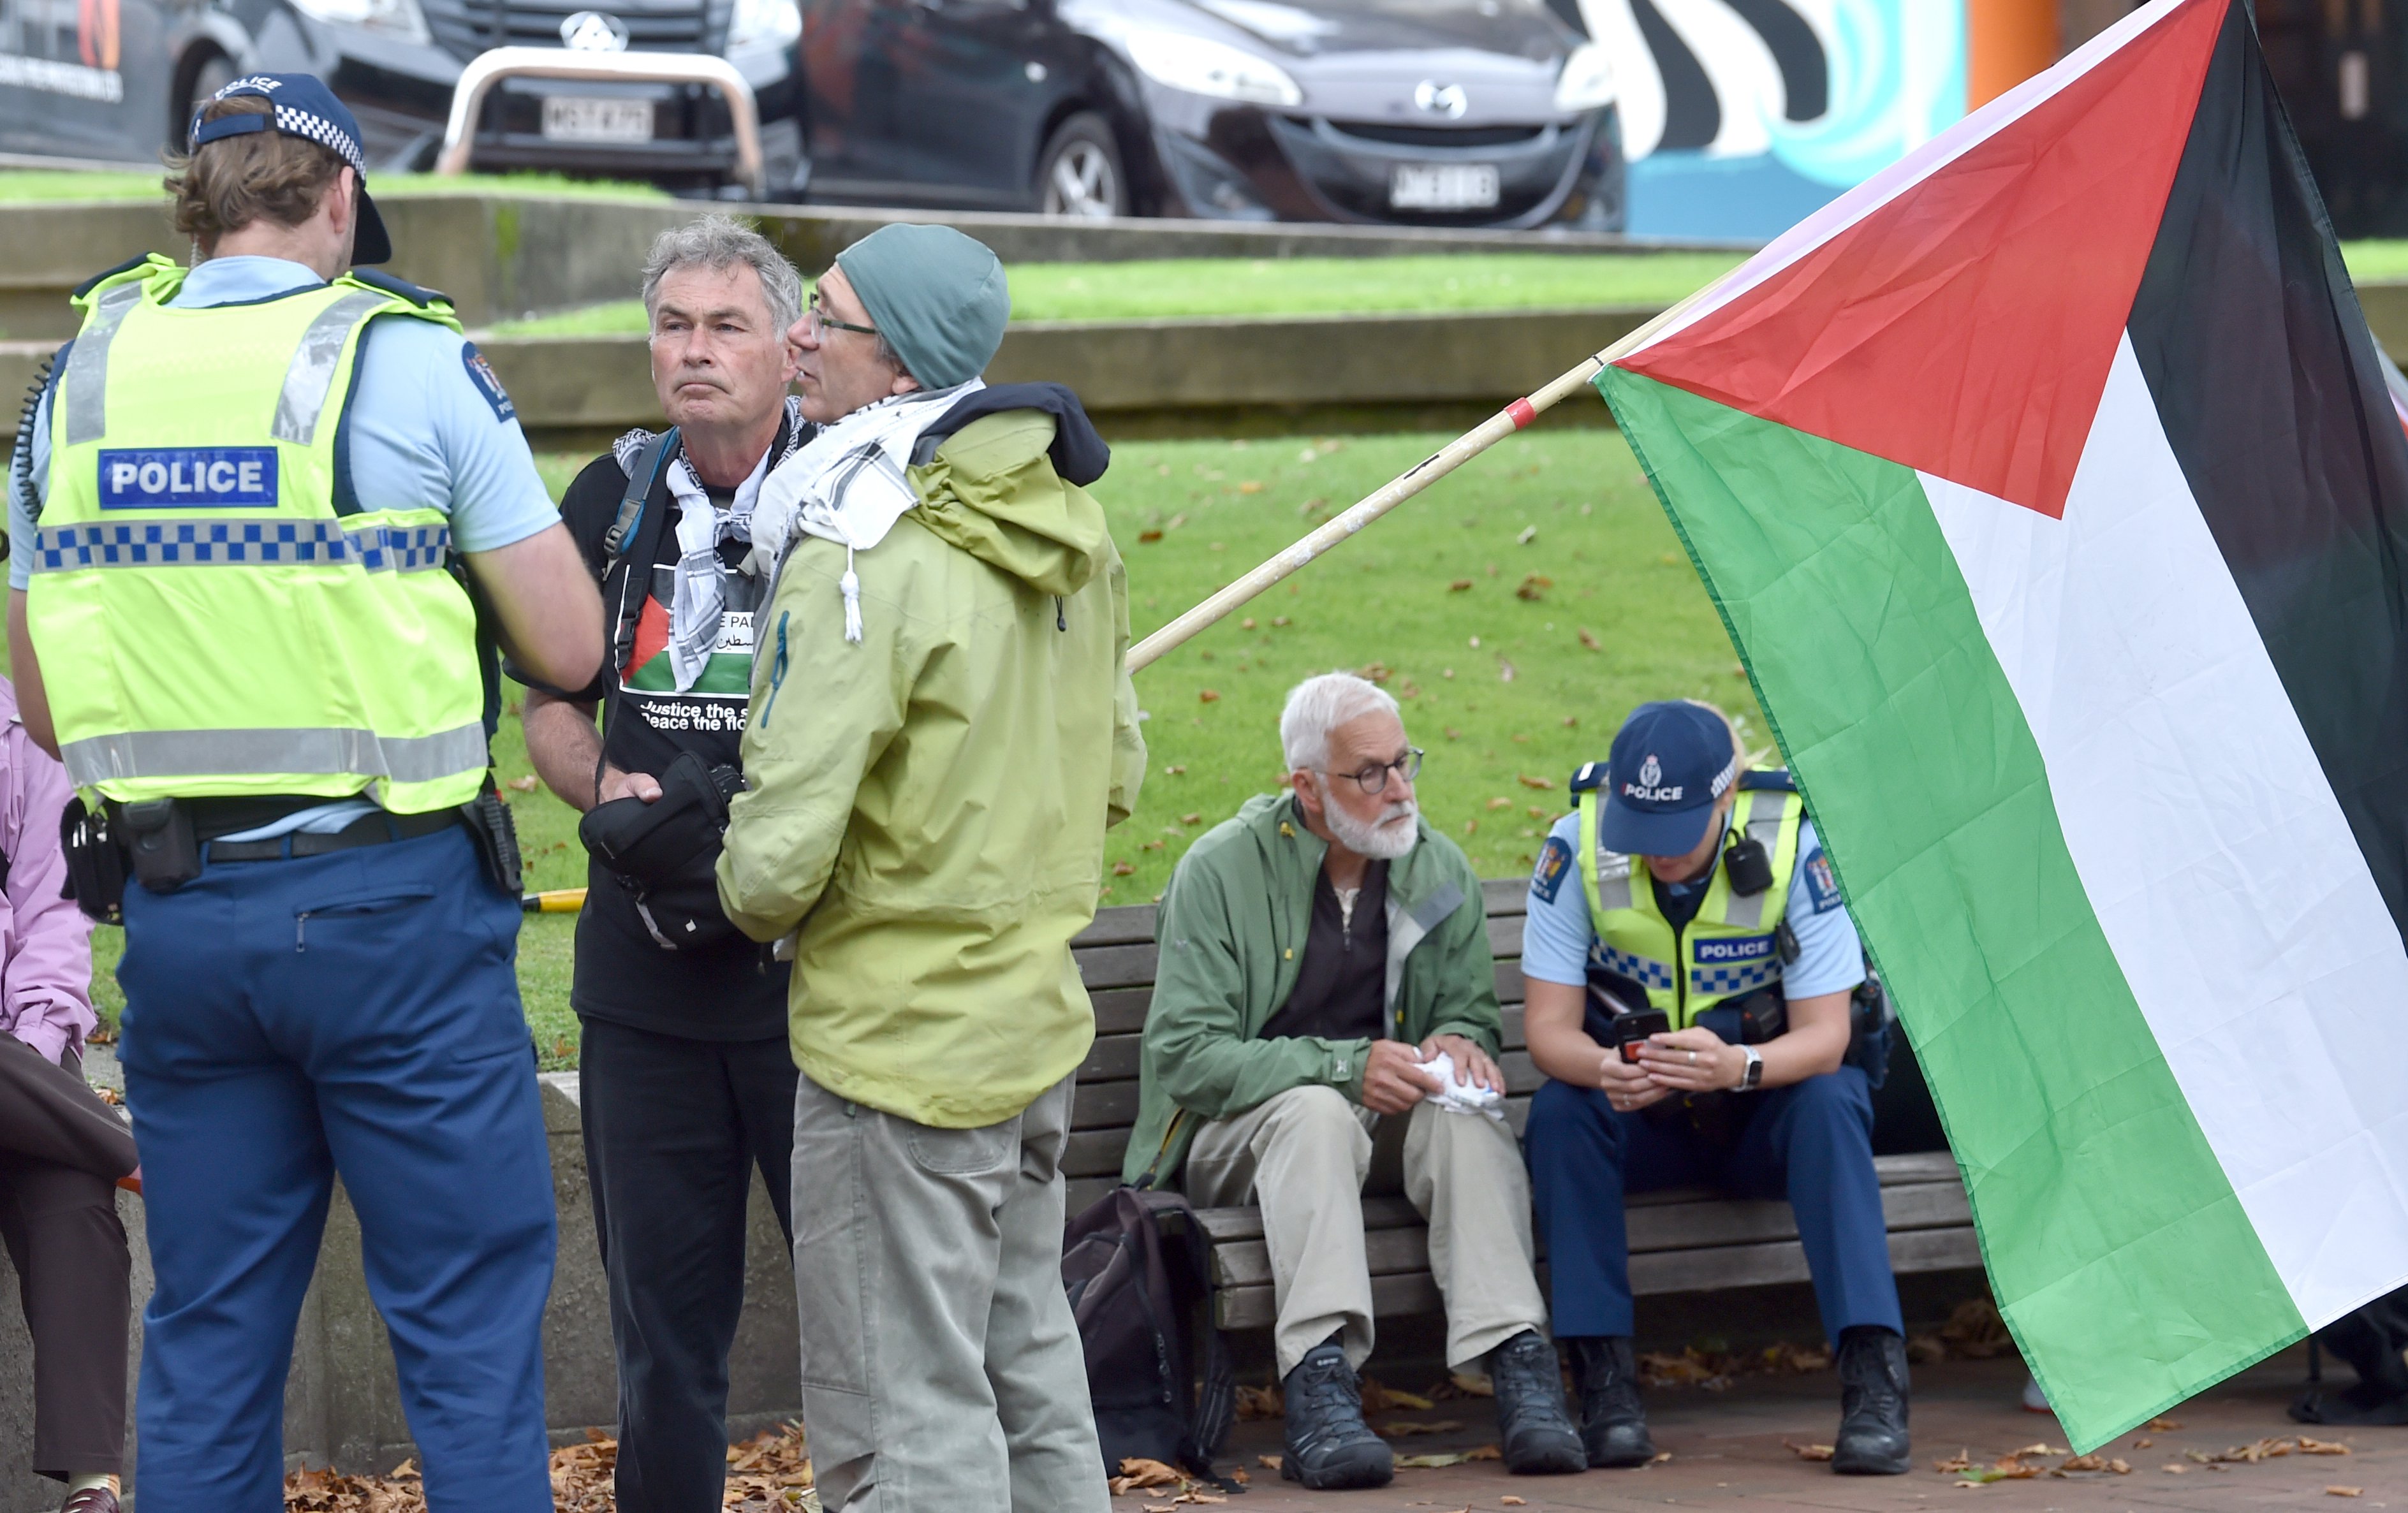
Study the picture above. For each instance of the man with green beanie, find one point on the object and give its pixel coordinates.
(922, 832)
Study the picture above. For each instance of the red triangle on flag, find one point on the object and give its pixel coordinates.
(1964, 325)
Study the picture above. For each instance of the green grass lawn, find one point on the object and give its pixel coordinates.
(1475, 604)
(28, 186)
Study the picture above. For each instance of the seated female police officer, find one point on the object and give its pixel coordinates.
(1702, 896)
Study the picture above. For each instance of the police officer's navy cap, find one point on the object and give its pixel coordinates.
(303, 106)
(1671, 762)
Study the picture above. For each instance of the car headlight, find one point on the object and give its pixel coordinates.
(399, 18)
(1202, 66)
(1587, 79)
(775, 23)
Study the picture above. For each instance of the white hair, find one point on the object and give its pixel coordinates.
(1320, 704)
(718, 243)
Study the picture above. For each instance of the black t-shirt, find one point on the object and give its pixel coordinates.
(733, 991)
(1341, 987)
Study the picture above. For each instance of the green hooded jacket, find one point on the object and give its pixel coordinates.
(926, 808)
(1232, 933)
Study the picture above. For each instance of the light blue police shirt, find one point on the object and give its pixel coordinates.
(1556, 939)
(425, 431)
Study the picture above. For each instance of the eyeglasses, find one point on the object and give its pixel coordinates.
(1374, 779)
(816, 320)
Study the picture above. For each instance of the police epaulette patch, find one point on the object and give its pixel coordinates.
(1591, 775)
(107, 274)
(423, 298)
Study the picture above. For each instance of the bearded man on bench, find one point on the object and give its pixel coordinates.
(1324, 1023)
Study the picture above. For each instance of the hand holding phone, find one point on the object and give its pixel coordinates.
(1632, 1028)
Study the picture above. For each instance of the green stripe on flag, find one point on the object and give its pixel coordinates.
(2117, 1251)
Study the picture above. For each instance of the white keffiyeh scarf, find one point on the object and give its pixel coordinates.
(848, 485)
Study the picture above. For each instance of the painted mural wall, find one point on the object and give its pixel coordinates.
(1739, 116)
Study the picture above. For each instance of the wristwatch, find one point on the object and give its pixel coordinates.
(1753, 1078)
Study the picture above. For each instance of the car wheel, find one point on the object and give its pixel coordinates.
(1079, 172)
(213, 73)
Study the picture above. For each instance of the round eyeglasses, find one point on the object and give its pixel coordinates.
(1374, 777)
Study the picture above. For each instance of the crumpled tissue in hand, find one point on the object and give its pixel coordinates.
(1457, 1096)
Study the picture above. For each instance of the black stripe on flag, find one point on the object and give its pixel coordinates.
(2267, 383)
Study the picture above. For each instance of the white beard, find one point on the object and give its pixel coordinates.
(1385, 839)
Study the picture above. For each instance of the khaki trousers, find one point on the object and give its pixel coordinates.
(941, 1369)
(1308, 1155)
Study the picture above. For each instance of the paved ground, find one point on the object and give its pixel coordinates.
(1727, 1451)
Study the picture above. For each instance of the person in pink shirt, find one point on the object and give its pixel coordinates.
(62, 1149)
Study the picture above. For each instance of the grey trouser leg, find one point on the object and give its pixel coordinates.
(1302, 1155)
(1464, 1173)
(1305, 1157)
(941, 1368)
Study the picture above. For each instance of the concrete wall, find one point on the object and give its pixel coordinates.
(503, 257)
(342, 1403)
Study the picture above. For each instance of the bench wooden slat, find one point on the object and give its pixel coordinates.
(1388, 1252)
(1111, 1058)
(1120, 1011)
(1504, 896)
(1763, 1265)
(1505, 937)
(1125, 925)
(1103, 1105)
(1094, 1153)
(1116, 966)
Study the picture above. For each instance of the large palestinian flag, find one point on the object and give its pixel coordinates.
(2049, 487)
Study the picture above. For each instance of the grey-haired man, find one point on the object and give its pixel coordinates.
(686, 1084)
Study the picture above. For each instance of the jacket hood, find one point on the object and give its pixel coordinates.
(995, 490)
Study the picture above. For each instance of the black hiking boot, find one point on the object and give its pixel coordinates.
(1872, 1403)
(1330, 1447)
(1538, 1434)
(1614, 1427)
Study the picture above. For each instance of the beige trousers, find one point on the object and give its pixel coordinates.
(942, 1372)
(1308, 1156)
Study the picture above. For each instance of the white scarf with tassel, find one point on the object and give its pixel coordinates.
(848, 485)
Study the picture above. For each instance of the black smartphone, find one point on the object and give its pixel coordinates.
(1632, 1028)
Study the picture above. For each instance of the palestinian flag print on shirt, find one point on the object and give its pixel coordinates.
(2049, 486)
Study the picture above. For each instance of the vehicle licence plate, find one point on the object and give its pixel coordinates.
(1442, 186)
(574, 119)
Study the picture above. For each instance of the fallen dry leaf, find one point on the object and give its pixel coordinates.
(1122, 869)
(1260, 1403)
(1809, 1452)
(524, 785)
(1148, 538)
(1250, 486)
(2171, 1469)
(1207, 696)
(1508, 1500)
(1270, 1463)
(2321, 1447)
(1404, 1428)
(2143, 1444)
(1588, 638)
(2162, 1426)
(1196, 819)
(1974, 1330)
(1458, 585)
(1505, 672)
(1472, 1386)
(1136, 1471)
(1435, 1461)
(1534, 587)
(1247, 623)
(1279, 623)
(2122, 1469)
(1661, 1456)
(1376, 672)
(1961, 1461)
(1500, 802)
(1527, 781)
(2345, 1491)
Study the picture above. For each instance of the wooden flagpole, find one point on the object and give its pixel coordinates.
(1388, 496)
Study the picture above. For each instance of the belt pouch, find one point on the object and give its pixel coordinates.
(96, 862)
(495, 835)
(159, 833)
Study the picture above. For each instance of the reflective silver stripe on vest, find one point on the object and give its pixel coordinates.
(248, 543)
(87, 375)
(1613, 879)
(311, 373)
(1746, 911)
(217, 753)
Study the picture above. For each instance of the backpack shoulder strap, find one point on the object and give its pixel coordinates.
(641, 475)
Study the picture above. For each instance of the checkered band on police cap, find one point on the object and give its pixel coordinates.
(305, 107)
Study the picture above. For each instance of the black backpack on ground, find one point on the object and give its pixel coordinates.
(1137, 1270)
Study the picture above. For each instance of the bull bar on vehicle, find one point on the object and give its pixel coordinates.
(490, 67)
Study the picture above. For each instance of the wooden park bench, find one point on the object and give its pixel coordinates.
(1681, 1241)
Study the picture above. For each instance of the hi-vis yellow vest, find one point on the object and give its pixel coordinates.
(212, 615)
(1725, 951)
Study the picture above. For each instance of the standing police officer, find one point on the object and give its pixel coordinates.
(231, 616)
(1702, 896)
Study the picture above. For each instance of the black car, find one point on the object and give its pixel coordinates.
(116, 79)
(1415, 112)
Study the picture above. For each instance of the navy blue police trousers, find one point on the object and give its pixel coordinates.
(357, 1014)
(1810, 1142)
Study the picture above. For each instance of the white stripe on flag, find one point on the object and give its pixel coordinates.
(2211, 846)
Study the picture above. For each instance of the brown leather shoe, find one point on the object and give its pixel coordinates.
(91, 1500)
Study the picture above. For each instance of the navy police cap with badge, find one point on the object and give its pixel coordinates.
(303, 106)
(1671, 762)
